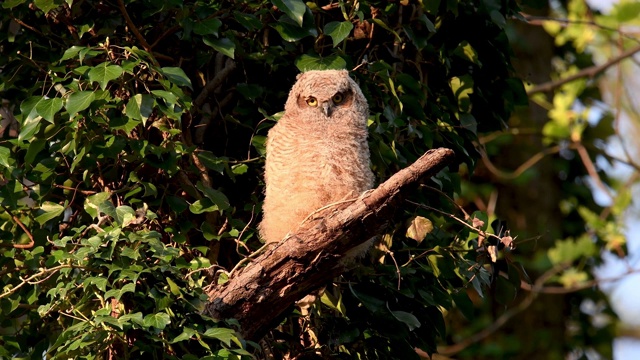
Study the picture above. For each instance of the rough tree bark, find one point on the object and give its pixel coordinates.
(261, 292)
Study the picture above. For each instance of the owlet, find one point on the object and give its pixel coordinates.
(317, 153)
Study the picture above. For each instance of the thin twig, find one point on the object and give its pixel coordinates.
(24, 228)
(504, 318)
(135, 30)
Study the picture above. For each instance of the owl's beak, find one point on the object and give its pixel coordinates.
(326, 108)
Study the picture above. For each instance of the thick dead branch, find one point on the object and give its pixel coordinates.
(258, 294)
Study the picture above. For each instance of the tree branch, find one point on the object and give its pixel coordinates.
(258, 294)
(586, 72)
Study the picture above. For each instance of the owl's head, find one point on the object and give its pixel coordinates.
(326, 94)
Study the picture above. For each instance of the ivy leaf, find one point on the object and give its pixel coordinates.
(338, 31)
(12, 3)
(47, 108)
(218, 198)
(125, 215)
(103, 73)
(407, 318)
(71, 52)
(158, 321)
(140, 107)
(223, 334)
(207, 27)
(177, 76)
(202, 206)
(47, 5)
(225, 46)
(50, 210)
(294, 9)
(79, 101)
(93, 203)
(290, 31)
(187, 333)
(310, 62)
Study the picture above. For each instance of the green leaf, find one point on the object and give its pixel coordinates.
(567, 251)
(312, 62)
(47, 108)
(124, 215)
(294, 9)
(177, 76)
(373, 304)
(140, 107)
(5, 157)
(71, 52)
(291, 32)
(79, 101)
(207, 27)
(93, 203)
(466, 51)
(158, 321)
(218, 198)
(187, 333)
(338, 31)
(223, 334)
(202, 206)
(50, 210)
(175, 289)
(407, 318)
(103, 73)
(12, 3)
(35, 146)
(225, 46)
(47, 5)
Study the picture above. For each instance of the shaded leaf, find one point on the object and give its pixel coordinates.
(207, 27)
(407, 318)
(338, 31)
(177, 76)
(294, 9)
(225, 46)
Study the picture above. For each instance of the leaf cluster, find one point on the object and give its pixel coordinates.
(135, 179)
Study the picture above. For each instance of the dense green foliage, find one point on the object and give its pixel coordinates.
(136, 178)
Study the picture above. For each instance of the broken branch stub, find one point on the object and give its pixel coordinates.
(258, 294)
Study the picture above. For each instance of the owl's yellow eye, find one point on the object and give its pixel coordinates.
(311, 101)
(337, 98)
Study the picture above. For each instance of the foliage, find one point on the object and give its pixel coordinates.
(135, 180)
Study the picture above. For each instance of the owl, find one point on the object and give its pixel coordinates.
(317, 153)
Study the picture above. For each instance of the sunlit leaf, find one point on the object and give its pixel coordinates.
(309, 62)
(103, 73)
(47, 108)
(158, 320)
(49, 210)
(79, 101)
(418, 228)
